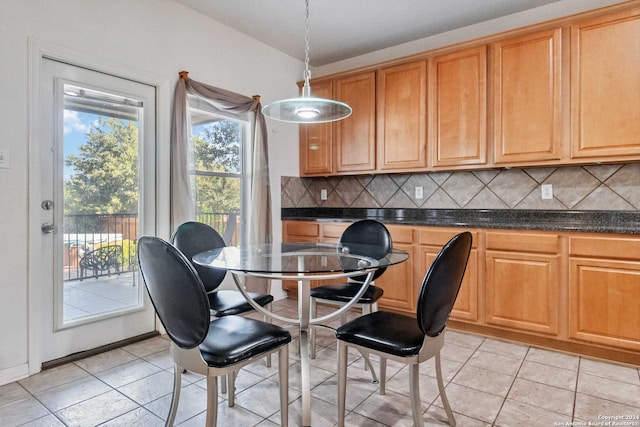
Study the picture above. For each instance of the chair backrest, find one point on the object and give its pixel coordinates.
(368, 232)
(194, 237)
(441, 284)
(176, 292)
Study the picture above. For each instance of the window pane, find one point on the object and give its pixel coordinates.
(217, 146)
(217, 200)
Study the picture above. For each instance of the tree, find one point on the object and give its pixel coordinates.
(217, 152)
(105, 180)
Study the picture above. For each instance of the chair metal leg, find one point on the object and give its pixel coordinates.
(283, 368)
(267, 319)
(383, 375)
(368, 366)
(367, 309)
(414, 390)
(175, 397)
(443, 395)
(231, 388)
(342, 381)
(212, 401)
(312, 331)
(223, 384)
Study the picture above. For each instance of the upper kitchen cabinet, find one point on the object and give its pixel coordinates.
(605, 87)
(355, 136)
(458, 108)
(527, 99)
(401, 117)
(316, 140)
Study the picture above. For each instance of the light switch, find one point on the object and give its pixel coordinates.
(546, 191)
(323, 194)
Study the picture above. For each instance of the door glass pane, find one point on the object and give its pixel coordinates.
(101, 204)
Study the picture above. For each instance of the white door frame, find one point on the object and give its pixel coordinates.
(38, 50)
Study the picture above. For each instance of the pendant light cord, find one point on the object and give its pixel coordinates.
(306, 89)
(306, 109)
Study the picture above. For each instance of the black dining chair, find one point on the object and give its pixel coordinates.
(215, 347)
(194, 237)
(365, 232)
(406, 339)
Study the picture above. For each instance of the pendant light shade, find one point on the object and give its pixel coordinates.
(306, 109)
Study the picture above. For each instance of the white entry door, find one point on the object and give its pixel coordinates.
(97, 155)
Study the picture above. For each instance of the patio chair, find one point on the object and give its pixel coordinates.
(101, 259)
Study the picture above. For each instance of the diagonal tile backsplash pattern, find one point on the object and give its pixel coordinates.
(597, 187)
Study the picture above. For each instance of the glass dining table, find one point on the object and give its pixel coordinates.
(303, 262)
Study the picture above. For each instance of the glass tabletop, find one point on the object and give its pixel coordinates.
(295, 258)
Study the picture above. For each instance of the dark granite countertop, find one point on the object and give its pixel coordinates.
(624, 222)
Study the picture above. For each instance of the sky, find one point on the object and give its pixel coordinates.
(75, 125)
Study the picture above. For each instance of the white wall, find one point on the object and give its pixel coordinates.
(154, 37)
(557, 9)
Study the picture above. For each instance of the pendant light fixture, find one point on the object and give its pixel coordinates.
(307, 109)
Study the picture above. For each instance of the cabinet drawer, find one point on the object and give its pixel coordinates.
(333, 230)
(605, 247)
(302, 229)
(439, 237)
(523, 242)
(400, 234)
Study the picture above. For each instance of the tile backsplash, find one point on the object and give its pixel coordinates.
(596, 187)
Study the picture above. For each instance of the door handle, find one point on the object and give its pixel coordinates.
(48, 228)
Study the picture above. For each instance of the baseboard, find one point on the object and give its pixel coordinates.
(82, 354)
(14, 373)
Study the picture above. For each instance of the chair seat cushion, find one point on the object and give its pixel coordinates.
(344, 292)
(383, 331)
(232, 339)
(229, 302)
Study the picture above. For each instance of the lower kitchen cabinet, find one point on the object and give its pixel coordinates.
(573, 291)
(604, 291)
(299, 231)
(523, 281)
(398, 280)
(431, 241)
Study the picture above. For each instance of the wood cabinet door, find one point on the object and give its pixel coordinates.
(604, 297)
(401, 117)
(355, 136)
(466, 306)
(316, 140)
(458, 108)
(398, 284)
(527, 107)
(522, 291)
(605, 87)
(298, 231)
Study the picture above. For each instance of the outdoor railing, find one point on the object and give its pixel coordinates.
(84, 233)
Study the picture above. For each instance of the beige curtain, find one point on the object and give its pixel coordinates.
(182, 197)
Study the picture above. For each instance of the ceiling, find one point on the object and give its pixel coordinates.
(341, 29)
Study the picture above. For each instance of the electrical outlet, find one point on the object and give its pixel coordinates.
(546, 191)
(323, 194)
(418, 193)
(4, 158)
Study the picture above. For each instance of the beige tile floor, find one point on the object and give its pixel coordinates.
(488, 382)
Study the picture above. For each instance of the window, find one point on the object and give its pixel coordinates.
(218, 150)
